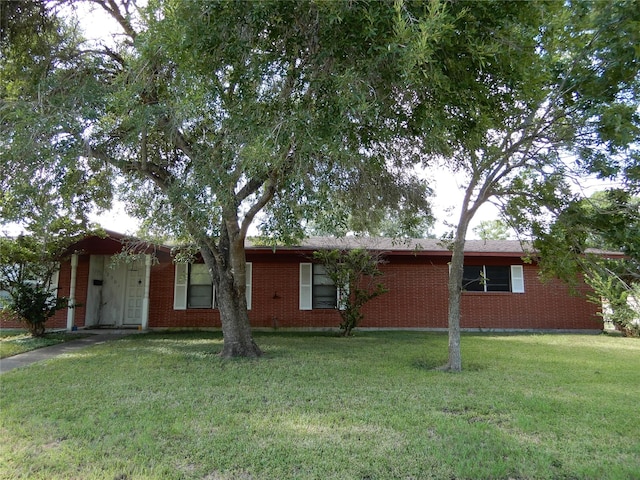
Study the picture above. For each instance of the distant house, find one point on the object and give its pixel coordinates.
(286, 289)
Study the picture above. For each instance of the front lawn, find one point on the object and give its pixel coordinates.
(163, 406)
(13, 342)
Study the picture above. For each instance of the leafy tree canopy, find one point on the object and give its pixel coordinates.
(543, 91)
(208, 114)
(607, 221)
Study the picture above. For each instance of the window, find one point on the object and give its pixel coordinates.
(193, 287)
(51, 286)
(5, 297)
(493, 278)
(200, 287)
(324, 292)
(317, 290)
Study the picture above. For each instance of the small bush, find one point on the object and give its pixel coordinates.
(33, 304)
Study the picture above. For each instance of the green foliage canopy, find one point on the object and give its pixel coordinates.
(492, 230)
(209, 114)
(599, 237)
(543, 91)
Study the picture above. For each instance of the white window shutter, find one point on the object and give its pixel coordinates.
(249, 274)
(180, 287)
(517, 279)
(306, 282)
(53, 283)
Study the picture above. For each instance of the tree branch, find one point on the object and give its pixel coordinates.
(104, 51)
(112, 8)
(267, 195)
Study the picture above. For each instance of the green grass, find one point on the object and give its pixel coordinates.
(13, 342)
(163, 406)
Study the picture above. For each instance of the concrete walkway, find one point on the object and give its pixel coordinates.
(95, 337)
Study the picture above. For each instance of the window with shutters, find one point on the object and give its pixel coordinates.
(493, 278)
(317, 290)
(193, 287)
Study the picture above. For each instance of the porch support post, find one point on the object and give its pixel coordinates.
(71, 311)
(145, 299)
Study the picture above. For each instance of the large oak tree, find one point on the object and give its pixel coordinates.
(209, 114)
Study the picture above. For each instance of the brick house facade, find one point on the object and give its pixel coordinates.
(156, 293)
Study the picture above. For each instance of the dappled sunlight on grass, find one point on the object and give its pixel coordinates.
(187, 345)
(567, 341)
(307, 425)
(319, 406)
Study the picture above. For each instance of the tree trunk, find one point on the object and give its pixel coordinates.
(236, 329)
(455, 295)
(456, 269)
(228, 271)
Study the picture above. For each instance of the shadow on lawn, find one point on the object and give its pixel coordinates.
(432, 364)
(208, 344)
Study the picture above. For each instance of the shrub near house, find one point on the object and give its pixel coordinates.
(502, 292)
(28, 281)
(351, 277)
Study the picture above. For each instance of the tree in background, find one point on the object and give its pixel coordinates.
(578, 242)
(44, 190)
(354, 272)
(492, 230)
(390, 222)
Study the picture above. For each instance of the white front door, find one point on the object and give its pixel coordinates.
(134, 293)
(115, 292)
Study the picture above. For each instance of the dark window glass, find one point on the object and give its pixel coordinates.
(324, 292)
(200, 293)
(472, 280)
(497, 279)
(486, 278)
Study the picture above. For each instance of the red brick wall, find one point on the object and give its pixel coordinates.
(276, 290)
(542, 306)
(417, 298)
(161, 312)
